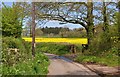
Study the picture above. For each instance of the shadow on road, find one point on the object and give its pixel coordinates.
(58, 57)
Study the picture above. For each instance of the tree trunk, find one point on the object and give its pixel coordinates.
(119, 6)
(118, 20)
(90, 25)
(105, 26)
(33, 29)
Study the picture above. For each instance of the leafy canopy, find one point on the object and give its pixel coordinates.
(11, 25)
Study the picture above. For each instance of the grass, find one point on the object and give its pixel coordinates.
(108, 59)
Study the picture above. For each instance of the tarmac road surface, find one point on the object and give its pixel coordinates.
(62, 66)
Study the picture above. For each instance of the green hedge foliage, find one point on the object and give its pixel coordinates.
(21, 62)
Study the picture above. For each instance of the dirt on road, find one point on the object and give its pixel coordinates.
(63, 66)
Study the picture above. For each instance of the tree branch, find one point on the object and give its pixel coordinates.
(72, 21)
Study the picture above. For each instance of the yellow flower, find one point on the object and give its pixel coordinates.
(68, 40)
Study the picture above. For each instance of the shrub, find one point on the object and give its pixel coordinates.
(105, 42)
(38, 66)
(21, 62)
(11, 57)
(54, 48)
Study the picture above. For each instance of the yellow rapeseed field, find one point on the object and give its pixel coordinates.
(68, 40)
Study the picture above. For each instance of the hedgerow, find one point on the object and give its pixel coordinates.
(20, 62)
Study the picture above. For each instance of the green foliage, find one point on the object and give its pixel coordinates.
(53, 30)
(13, 42)
(53, 48)
(106, 59)
(21, 62)
(78, 47)
(38, 32)
(72, 34)
(11, 57)
(86, 59)
(57, 48)
(38, 66)
(117, 18)
(104, 49)
(105, 42)
(11, 25)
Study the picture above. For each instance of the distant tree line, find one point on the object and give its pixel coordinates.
(54, 30)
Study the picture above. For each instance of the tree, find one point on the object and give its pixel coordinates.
(63, 32)
(118, 20)
(0, 20)
(89, 26)
(38, 32)
(33, 29)
(105, 38)
(23, 8)
(105, 20)
(79, 13)
(10, 21)
(13, 21)
(76, 13)
(108, 14)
